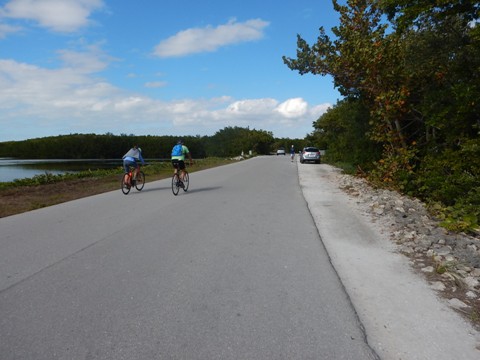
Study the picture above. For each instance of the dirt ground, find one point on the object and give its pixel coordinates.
(21, 199)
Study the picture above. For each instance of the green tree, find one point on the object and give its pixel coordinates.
(420, 82)
(417, 13)
(232, 141)
(366, 64)
(343, 132)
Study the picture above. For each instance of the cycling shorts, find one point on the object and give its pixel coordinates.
(128, 163)
(178, 164)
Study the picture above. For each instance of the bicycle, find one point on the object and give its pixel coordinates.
(178, 183)
(128, 182)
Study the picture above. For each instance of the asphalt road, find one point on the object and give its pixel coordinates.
(232, 269)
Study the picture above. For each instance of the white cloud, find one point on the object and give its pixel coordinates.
(7, 29)
(57, 15)
(129, 103)
(72, 99)
(209, 39)
(251, 106)
(36, 90)
(318, 110)
(86, 62)
(293, 108)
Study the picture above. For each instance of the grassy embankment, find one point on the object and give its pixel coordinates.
(45, 190)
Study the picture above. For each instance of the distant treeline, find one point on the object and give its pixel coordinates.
(230, 141)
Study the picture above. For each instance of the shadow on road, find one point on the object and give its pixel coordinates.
(195, 190)
(157, 188)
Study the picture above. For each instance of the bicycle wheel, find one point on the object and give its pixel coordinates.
(125, 186)
(186, 181)
(140, 183)
(175, 184)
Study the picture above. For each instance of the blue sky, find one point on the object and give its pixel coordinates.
(152, 67)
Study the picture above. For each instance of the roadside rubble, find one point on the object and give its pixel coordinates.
(450, 262)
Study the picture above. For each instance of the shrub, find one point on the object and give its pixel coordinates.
(452, 178)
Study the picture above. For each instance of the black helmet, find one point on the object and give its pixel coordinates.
(180, 141)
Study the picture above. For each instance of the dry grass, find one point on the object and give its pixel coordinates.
(21, 199)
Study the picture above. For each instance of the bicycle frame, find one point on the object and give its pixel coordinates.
(128, 181)
(178, 182)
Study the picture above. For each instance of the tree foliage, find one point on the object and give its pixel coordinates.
(232, 141)
(365, 64)
(407, 13)
(226, 142)
(415, 67)
(342, 132)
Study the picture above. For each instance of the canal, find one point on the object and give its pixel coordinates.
(11, 169)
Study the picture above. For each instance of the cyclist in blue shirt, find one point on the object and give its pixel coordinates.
(178, 157)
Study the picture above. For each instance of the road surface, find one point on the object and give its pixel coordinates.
(232, 269)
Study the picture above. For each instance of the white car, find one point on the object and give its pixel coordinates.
(281, 151)
(310, 154)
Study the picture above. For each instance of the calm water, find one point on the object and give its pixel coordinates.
(11, 169)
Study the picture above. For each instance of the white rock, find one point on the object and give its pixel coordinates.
(398, 233)
(410, 235)
(475, 272)
(471, 295)
(450, 258)
(407, 250)
(428, 269)
(472, 248)
(471, 282)
(457, 304)
(446, 250)
(438, 285)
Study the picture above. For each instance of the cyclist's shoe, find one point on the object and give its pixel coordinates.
(181, 184)
(134, 182)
